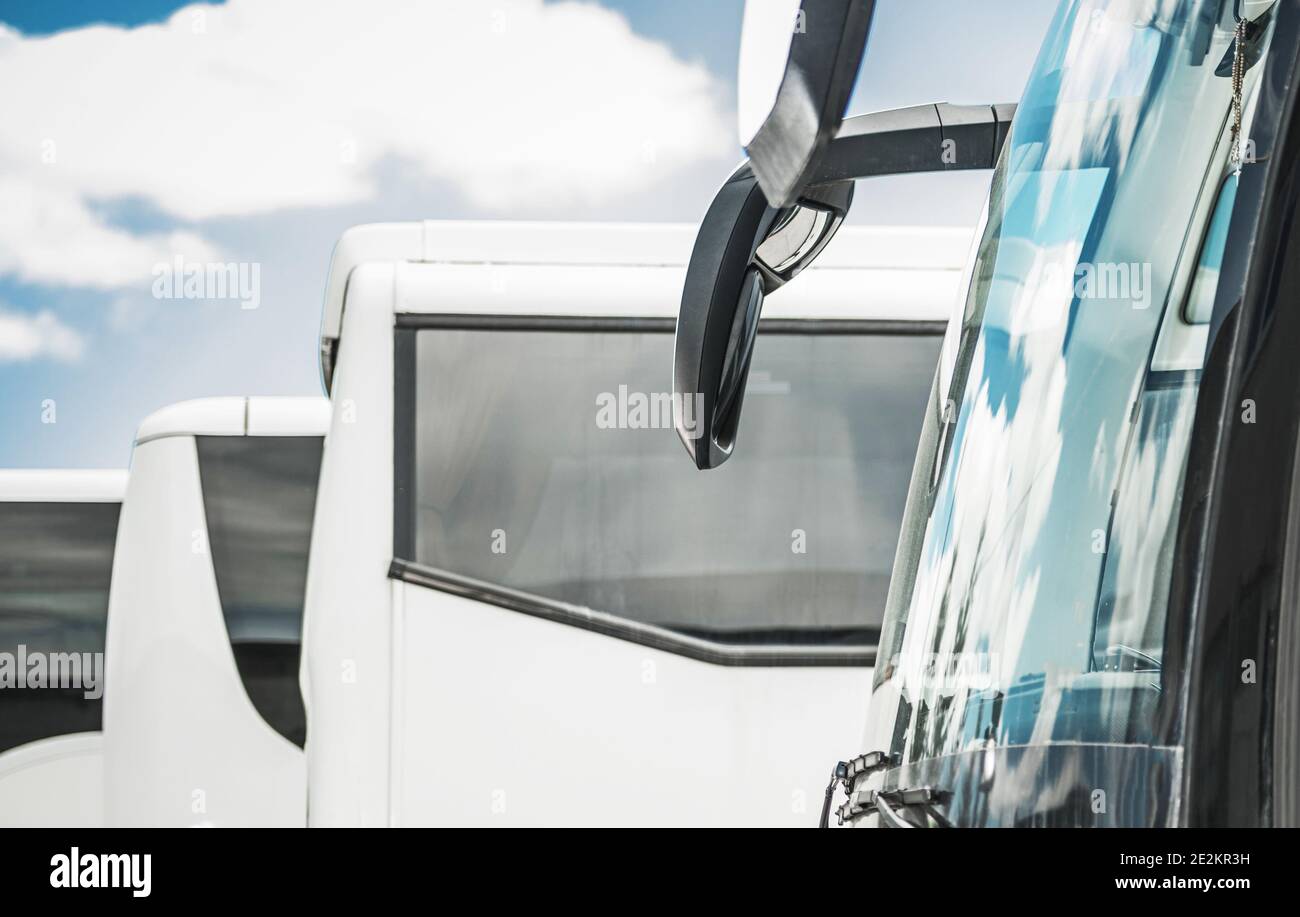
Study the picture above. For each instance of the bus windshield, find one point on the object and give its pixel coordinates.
(1029, 609)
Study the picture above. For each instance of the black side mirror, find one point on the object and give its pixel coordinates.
(746, 249)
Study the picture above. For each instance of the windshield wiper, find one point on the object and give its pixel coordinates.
(924, 798)
(885, 803)
(846, 773)
(890, 805)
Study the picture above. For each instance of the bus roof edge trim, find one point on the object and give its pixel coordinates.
(62, 485)
(665, 245)
(257, 415)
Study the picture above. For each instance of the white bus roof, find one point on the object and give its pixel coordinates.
(509, 268)
(258, 415)
(59, 485)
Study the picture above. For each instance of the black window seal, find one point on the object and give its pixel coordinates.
(624, 628)
(643, 325)
(404, 417)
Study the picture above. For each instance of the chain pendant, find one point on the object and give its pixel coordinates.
(1238, 78)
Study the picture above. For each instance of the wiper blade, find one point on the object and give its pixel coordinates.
(890, 805)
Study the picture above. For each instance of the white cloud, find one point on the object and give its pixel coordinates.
(49, 235)
(40, 336)
(252, 107)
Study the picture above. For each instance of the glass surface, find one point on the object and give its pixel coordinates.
(542, 466)
(1200, 305)
(790, 240)
(259, 496)
(56, 561)
(1033, 611)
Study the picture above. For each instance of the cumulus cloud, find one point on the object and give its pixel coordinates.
(49, 235)
(41, 336)
(252, 107)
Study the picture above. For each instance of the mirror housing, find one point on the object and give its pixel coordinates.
(747, 249)
(766, 34)
(826, 40)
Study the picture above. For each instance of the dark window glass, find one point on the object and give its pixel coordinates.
(532, 472)
(56, 560)
(259, 495)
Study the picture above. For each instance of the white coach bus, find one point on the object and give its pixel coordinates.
(521, 608)
(203, 718)
(57, 530)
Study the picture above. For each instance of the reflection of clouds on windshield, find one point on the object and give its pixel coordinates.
(1137, 581)
(1021, 557)
(1110, 54)
(1012, 414)
(1040, 290)
(1001, 514)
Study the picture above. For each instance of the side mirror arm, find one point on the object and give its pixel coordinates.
(924, 138)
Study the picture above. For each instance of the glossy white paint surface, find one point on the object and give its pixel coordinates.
(183, 744)
(200, 417)
(653, 291)
(347, 639)
(58, 485)
(506, 719)
(53, 783)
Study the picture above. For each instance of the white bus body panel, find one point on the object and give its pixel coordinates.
(56, 782)
(57, 485)
(53, 783)
(427, 708)
(347, 638)
(183, 744)
(540, 723)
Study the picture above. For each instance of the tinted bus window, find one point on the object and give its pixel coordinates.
(56, 560)
(259, 496)
(540, 465)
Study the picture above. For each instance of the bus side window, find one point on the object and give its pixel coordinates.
(545, 463)
(56, 560)
(259, 497)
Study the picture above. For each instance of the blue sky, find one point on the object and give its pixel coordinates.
(123, 150)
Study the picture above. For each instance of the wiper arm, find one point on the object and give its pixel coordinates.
(925, 798)
(846, 774)
(888, 803)
(885, 803)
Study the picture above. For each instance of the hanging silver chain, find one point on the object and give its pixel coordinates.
(1238, 77)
